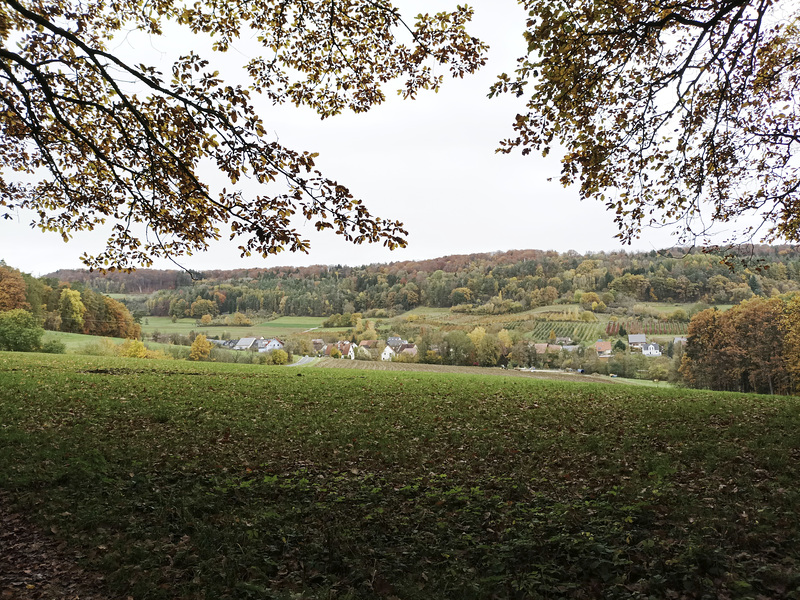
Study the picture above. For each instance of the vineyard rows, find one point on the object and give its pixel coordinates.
(579, 332)
(649, 326)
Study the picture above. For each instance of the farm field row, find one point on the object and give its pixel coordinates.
(577, 331)
(238, 481)
(648, 327)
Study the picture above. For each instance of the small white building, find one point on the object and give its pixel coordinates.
(651, 349)
(270, 345)
(388, 353)
(245, 343)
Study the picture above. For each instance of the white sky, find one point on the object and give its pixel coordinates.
(429, 163)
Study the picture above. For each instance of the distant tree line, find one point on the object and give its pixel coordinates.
(61, 306)
(483, 283)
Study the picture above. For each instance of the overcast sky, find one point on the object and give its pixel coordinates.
(429, 163)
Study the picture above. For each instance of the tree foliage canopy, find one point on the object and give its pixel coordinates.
(673, 113)
(90, 138)
(19, 331)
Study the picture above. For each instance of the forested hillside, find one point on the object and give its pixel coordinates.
(484, 283)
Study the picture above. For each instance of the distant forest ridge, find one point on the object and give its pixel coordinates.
(487, 283)
(751, 258)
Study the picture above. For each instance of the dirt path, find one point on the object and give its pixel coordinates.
(34, 565)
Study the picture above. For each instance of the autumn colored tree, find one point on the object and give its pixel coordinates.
(121, 321)
(240, 320)
(278, 357)
(792, 342)
(107, 141)
(13, 290)
(201, 348)
(71, 310)
(506, 341)
(742, 349)
(132, 349)
(476, 336)
(680, 113)
(760, 330)
(202, 307)
(488, 351)
(461, 295)
(368, 334)
(701, 363)
(96, 320)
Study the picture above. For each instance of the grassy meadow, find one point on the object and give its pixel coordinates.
(76, 342)
(201, 480)
(280, 327)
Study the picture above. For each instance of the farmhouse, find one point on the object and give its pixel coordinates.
(651, 349)
(388, 353)
(246, 343)
(395, 342)
(603, 349)
(637, 340)
(269, 345)
(408, 350)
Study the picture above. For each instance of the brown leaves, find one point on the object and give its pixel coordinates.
(34, 565)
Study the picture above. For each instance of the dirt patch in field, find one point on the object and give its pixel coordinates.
(337, 363)
(34, 565)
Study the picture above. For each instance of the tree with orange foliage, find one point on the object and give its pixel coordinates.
(12, 289)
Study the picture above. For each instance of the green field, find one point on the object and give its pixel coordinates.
(281, 327)
(198, 480)
(75, 341)
(78, 343)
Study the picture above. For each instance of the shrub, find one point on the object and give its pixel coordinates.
(19, 331)
(132, 349)
(54, 346)
(279, 357)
